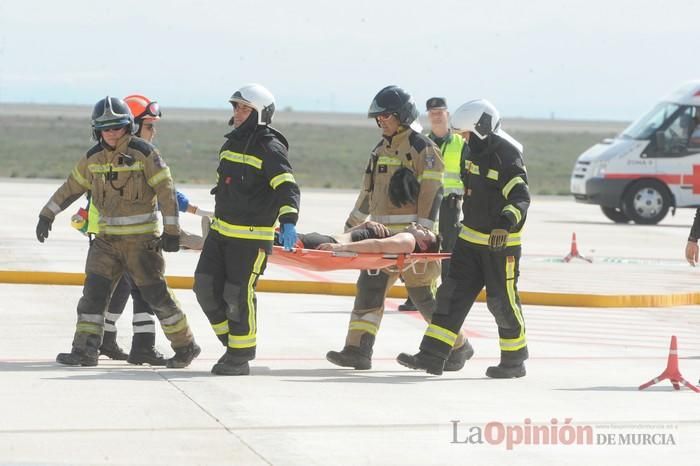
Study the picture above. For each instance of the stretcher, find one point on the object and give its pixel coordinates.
(321, 261)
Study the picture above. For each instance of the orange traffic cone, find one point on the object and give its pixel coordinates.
(671, 372)
(574, 254)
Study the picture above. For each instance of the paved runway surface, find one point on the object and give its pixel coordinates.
(296, 408)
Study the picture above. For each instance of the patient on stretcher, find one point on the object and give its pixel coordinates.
(372, 237)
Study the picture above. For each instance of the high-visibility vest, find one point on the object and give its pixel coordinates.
(452, 154)
(93, 219)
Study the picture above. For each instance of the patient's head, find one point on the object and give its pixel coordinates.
(426, 240)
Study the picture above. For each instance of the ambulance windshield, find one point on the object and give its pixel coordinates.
(647, 125)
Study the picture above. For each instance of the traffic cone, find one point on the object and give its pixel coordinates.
(671, 372)
(574, 254)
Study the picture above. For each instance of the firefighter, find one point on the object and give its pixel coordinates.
(488, 250)
(146, 113)
(453, 148)
(402, 184)
(126, 177)
(255, 189)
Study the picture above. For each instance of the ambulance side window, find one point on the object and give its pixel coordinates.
(694, 140)
(674, 140)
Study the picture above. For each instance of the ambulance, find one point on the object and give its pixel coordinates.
(649, 168)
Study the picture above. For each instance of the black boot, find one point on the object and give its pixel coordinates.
(350, 356)
(78, 358)
(143, 350)
(223, 339)
(229, 364)
(458, 357)
(184, 356)
(506, 370)
(408, 305)
(111, 349)
(422, 361)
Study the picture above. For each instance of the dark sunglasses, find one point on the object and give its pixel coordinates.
(385, 115)
(116, 128)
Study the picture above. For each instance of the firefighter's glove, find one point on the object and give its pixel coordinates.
(43, 228)
(170, 243)
(182, 202)
(288, 236)
(497, 239)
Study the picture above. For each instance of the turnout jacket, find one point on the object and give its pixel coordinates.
(496, 192)
(127, 184)
(407, 148)
(255, 186)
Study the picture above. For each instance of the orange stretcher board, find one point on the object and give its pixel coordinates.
(313, 259)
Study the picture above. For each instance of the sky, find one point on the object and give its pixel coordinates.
(592, 59)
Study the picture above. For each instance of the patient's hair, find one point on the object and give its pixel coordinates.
(434, 245)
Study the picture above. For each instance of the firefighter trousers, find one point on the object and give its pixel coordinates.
(372, 289)
(143, 320)
(472, 268)
(224, 283)
(449, 227)
(108, 259)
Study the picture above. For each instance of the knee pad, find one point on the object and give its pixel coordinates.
(371, 291)
(501, 310)
(204, 291)
(232, 297)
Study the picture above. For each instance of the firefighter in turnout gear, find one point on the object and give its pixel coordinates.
(453, 148)
(255, 189)
(488, 250)
(402, 184)
(127, 178)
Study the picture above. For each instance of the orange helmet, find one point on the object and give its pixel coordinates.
(142, 108)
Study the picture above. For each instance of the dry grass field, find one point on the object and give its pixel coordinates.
(328, 150)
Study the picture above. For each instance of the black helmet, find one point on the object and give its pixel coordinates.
(393, 99)
(403, 187)
(111, 112)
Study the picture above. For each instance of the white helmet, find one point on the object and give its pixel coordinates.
(257, 97)
(478, 116)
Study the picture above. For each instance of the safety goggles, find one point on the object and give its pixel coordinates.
(152, 110)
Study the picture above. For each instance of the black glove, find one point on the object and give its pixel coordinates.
(43, 228)
(170, 243)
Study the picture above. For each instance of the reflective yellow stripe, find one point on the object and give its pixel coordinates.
(473, 168)
(511, 208)
(178, 327)
(363, 326)
(79, 178)
(511, 184)
(89, 327)
(101, 168)
(439, 333)
(287, 209)
(235, 341)
(237, 157)
(476, 237)
(252, 321)
(516, 343)
(243, 231)
(128, 229)
(386, 160)
(162, 175)
(283, 178)
(220, 328)
(431, 175)
(492, 175)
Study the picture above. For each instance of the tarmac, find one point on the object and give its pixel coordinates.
(578, 404)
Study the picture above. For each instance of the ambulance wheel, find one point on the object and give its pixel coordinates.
(615, 214)
(646, 202)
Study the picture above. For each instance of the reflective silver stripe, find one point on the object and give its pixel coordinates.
(94, 318)
(431, 175)
(439, 333)
(386, 160)
(246, 341)
(112, 316)
(427, 223)
(171, 220)
(447, 190)
(145, 328)
(371, 317)
(513, 344)
(172, 320)
(108, 167)
(110, 327)
(53, 207)
(142, 317)
(130, 220)
(129, 229)
(391, 219)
